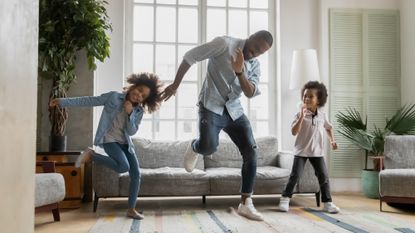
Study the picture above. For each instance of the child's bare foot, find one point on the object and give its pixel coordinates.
(132, 213)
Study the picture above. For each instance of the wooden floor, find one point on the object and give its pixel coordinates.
(82, 219)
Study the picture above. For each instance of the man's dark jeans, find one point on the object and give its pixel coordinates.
(240, 131)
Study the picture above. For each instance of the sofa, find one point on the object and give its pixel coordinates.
(397, 180)
(163, 174)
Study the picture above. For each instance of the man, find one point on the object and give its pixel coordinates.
(232, 69)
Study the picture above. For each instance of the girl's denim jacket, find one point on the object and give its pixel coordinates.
(113, 103)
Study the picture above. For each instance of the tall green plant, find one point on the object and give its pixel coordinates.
(353, 127)
(65, 28)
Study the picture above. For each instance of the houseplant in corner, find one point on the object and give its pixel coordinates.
(67, 27)
(353, 127)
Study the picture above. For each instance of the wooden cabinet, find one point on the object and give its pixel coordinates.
(74, 177)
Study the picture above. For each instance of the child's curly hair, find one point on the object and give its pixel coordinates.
(150, 80)
(321, 91)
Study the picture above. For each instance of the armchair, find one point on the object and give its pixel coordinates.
(49, 189)
(397, 181)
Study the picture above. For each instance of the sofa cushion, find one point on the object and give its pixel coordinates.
(172, 173)
(400, 151)
(228, 155)
(263, 173)
(269, 179)
(397, 182)
(168, 181)
(158, 154)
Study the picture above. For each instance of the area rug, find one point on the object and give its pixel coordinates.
(227, 220)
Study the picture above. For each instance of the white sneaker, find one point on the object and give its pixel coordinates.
(85, 157)
(248, 210)
(190, 158)
(284, 204)
(331, 208)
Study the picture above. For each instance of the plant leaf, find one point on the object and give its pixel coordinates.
(351, 119)
(403, 122)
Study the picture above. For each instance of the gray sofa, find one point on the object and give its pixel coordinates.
(162, 172)
(397, 181)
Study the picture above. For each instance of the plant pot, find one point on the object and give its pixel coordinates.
(57, 143)
(370, 183)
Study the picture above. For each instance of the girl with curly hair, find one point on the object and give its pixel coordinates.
(119, 121)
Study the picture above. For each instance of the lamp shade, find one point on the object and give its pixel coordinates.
(304, 68)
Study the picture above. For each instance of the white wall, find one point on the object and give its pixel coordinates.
(113, 67)
(408, 51)
(18, 75)
(109, 75)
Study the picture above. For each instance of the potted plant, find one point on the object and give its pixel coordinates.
(354, 127)
(65, 28)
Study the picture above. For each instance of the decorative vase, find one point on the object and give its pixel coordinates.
(57, 143)
(370, 183)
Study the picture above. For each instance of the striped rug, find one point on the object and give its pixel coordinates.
(223, 221)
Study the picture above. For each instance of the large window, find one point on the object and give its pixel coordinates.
(159, 32)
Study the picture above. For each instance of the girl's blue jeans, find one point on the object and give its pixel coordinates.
(121, 160)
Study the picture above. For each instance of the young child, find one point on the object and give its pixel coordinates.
(120, 119)
(309, 125)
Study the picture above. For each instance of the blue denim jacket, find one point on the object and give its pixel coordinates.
(113, 103)
(221, 86)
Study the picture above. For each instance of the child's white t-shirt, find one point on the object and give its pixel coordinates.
(310, 139)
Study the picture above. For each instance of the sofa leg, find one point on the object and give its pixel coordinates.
(56, 215)
(204, 199)
(380, 204)
(318, 198)
(95, 202)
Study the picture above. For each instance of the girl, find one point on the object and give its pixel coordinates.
(309, 125)
(120, 118)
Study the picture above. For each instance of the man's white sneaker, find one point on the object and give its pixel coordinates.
(248, 210)
(284, 204)
(331, 208)
(190, 158)
(85, 157)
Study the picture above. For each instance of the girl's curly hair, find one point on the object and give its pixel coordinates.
(150, 80)
(321, 91)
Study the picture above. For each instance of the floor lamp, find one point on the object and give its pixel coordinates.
(304, 68)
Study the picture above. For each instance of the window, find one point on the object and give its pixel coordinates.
(161, 31)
